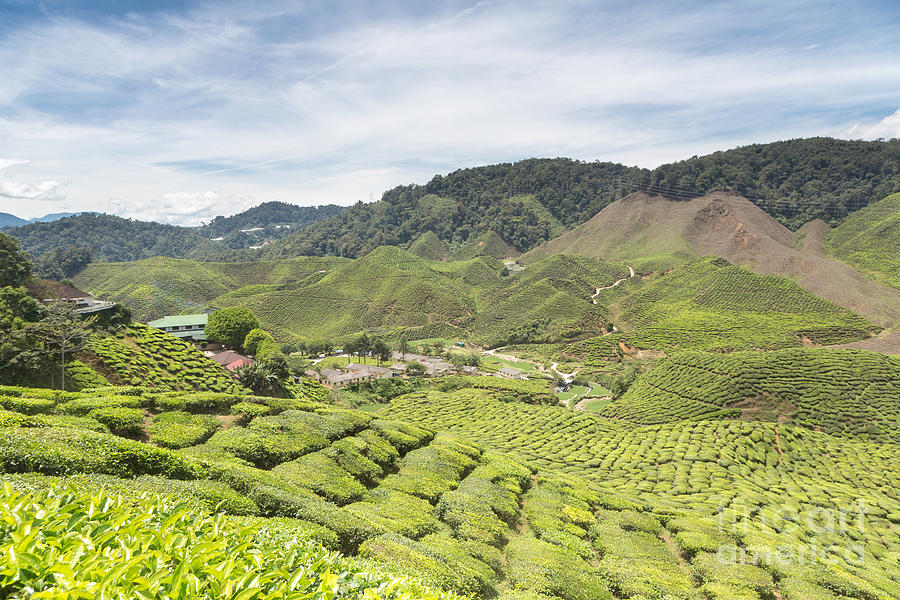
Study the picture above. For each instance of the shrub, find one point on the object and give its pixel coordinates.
(267, 449)
(323, 476)
(25, 405)
(61, 451)
(180, 429)
(396, 512)
(123, 421)
(81, 407)
(247, 411)
(272, 560)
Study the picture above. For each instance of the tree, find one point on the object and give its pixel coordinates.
(230, 326)
(15, 268)
(415, 368)
(61, 263)
(260, 378)
(254, 339)
(381, 350)
(404, 346)
(65, 331)
(361, 346)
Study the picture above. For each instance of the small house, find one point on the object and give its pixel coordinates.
(183, 326)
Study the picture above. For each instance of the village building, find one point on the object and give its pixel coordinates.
(183, 326)
(510, 373)
(231, 360)
(54, 291)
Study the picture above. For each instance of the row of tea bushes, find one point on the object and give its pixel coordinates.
(851, 392)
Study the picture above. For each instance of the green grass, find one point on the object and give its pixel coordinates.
(869, 239)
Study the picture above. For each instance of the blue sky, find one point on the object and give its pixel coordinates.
(179, 111)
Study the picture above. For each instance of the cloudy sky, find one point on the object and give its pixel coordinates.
(179, 111)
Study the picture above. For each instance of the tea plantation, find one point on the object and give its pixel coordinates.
(712, 305)
(146, 356)
(750, 509)
(850, 392)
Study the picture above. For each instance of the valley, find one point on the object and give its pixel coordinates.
(672, 398)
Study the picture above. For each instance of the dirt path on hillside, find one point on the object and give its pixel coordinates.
(624, 279)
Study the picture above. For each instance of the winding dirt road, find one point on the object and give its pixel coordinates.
(600, 289)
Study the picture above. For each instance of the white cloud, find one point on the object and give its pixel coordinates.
(5, 163)
(177, 208)
(28, 191)
(19, 190)
(888, 127)
(127, 111)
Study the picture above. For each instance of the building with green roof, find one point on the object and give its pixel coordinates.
(183, 326)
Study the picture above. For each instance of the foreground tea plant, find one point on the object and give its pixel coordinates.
(61, 544)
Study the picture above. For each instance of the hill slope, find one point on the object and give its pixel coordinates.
(526, 202)
(870, 240)
(389, 288)
(836, 391)
(653, 232)
(710, 304)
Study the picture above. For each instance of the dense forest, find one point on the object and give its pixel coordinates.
(794, 181)
(114, 239)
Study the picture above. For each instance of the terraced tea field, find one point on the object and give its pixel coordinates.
(869, 239)
(144, 356)
(446, 510)
(713, 305)
(773, 481)
(851, 392)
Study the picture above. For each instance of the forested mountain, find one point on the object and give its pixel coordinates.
(523, 204)
(269, 220)
(110, 238)
(115, 239)
(8, 220)
(794, 181)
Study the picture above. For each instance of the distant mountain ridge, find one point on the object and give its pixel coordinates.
(117, 239)
(518, 206)
(10, 220)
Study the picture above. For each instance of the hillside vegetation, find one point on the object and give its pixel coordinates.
(524, 203)
(111, 238)
(579, 509)
(710, 304)
(309, 298)
(870, 240)
(718, 489)
(144, 356)
(849, 392)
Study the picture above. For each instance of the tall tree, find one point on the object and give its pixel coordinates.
(15, 268)
(64, 331)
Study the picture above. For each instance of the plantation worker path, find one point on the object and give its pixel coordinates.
(616, 283)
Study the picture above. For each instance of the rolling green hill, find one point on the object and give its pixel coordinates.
(389, 288)
(849, 392)
(869, 239)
